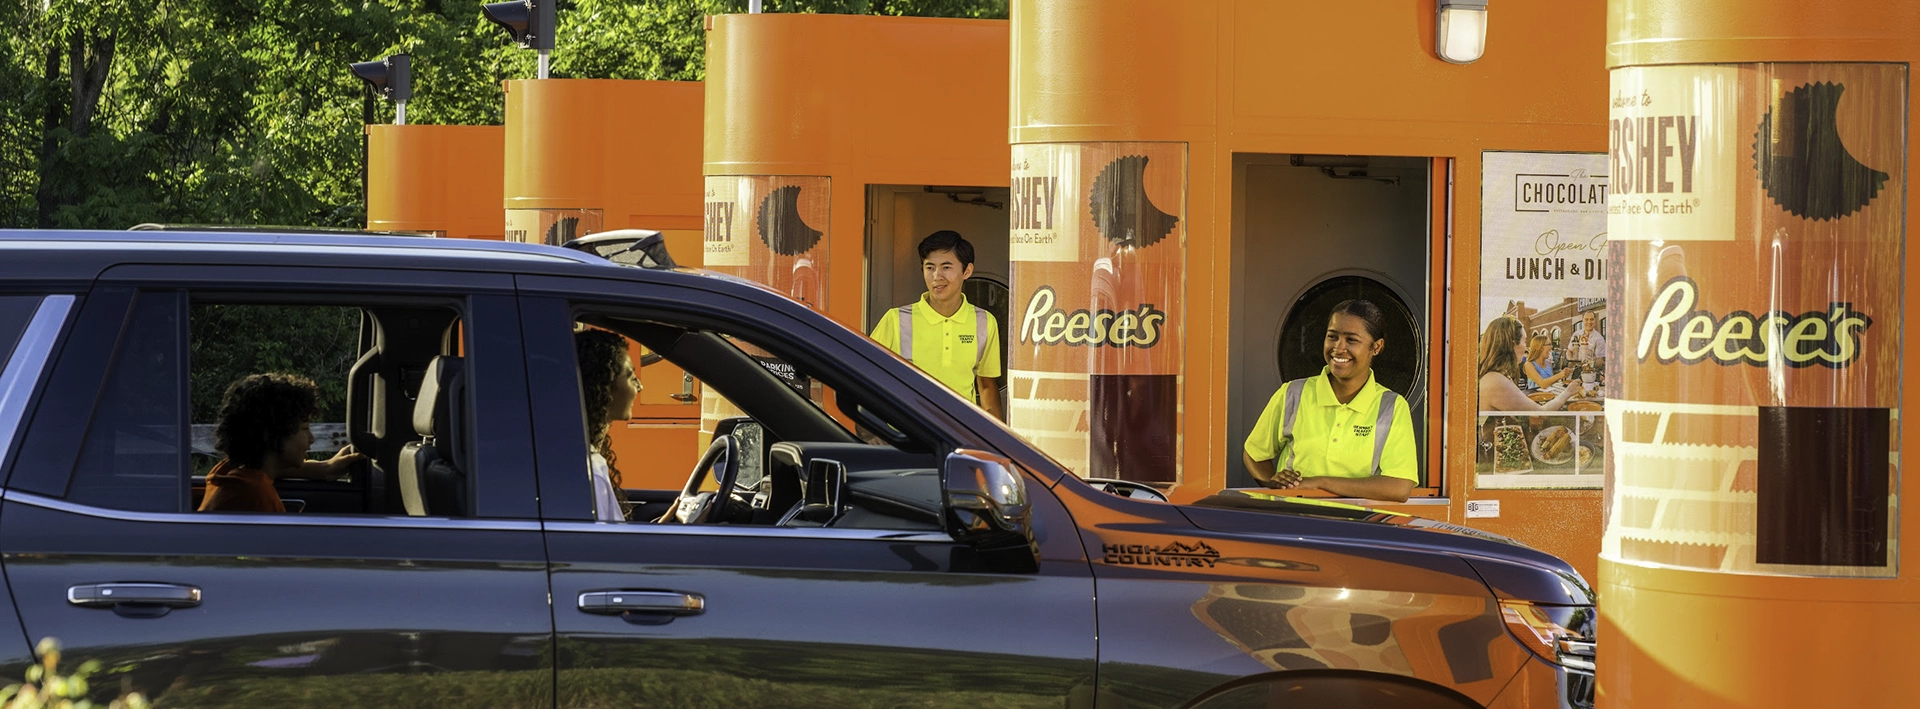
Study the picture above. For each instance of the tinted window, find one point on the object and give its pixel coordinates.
(152, 437)
(15, 311)
(133, 458)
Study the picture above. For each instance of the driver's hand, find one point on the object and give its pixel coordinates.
(345, 458)
(1284, 479)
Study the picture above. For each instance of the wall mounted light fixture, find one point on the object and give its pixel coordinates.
(1462, 33)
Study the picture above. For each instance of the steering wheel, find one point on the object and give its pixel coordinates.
(722, 461)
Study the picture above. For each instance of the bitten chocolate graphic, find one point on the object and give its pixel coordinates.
(563, 230)
(1120, 206)
(1803, 165)
(781, 227)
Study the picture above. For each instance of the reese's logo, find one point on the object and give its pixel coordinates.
(1180, 554)
(1049, 325)
(1675, 332)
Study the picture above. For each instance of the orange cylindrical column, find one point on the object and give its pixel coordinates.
(1099, 338)
(583, 155)
(443, 180)
(1757, 219)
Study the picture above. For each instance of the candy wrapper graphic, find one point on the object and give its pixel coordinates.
(1757, 224)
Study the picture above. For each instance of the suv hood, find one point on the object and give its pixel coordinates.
(1513, 570)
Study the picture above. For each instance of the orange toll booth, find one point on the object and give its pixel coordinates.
(1197, 184)
(835, 143)
(591, 155)
(1759, 222)
(440, 180)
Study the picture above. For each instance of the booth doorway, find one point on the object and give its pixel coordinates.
(1308, 232)
(899, 216)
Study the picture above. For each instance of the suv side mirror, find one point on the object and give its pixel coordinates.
(986, 508)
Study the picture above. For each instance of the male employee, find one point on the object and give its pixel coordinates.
(953, 340)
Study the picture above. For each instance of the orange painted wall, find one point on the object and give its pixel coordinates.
(1673, 637)
(435, 178)
(631, 149)
(862, 100)
(1346, 78)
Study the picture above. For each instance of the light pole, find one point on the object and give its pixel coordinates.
(392, 78)
(530, 23)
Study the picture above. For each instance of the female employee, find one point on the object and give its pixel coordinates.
(1502, 349)
(1539, 367)
(1348, 435)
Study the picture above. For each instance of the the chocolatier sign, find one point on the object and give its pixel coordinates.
(1757, 229)
(1099, 252)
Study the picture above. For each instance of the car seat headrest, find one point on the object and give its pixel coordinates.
(431, 408)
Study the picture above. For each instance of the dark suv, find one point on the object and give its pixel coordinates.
(855, 536)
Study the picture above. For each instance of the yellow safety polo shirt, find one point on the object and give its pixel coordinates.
(1328, 438)
(952, 349)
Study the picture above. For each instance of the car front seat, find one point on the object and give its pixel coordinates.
(432, 478)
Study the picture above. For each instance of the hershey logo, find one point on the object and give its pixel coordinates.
(1645, 149)
(720, 221)
(1033, 200)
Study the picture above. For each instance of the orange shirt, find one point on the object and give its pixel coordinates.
(231, 488)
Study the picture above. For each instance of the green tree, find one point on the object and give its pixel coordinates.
(242, 112)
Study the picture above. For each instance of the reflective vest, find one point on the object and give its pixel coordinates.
(981, 321)
(1382, 425)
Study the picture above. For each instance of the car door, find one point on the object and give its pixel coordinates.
(103, 551)
(748, 615)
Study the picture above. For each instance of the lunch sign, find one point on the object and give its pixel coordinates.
(1543, 246)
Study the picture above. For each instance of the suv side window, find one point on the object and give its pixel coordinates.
(783, 422)
(387, 376)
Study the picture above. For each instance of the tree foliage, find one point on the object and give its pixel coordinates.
(242, 112)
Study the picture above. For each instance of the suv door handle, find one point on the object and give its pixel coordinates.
(669, 603)
(135, 600)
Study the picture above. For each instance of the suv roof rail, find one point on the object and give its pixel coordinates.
(268, 229)
(644, 248)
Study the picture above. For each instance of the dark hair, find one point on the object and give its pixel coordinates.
(1368, 313)
(1496, 347)
(259, 412)
(948, 240)
(599, 354)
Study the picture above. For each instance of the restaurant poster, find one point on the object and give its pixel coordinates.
(1543, 265)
